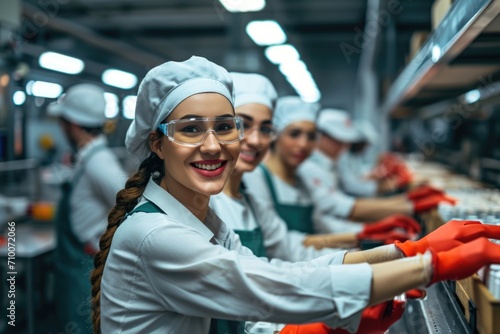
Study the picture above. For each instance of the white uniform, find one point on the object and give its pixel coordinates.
(352, 168)
(248, 213)
(303, 194)
(171, 273)
(95, 192)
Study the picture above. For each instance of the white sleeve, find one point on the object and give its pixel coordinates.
(353, 182)
(282, 243)
(326, 197)
(191, 276)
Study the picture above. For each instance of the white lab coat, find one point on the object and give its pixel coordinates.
(302, 194)
(95, 192)
(170, 273)
(352, 169)
(279, 241)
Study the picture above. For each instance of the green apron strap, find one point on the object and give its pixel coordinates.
(297, 217)
(269, 181)
(148, 207)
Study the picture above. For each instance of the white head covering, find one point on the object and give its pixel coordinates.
(83, 104)
(337, 124)
(166, 86)
(291, 109)
(253, 88)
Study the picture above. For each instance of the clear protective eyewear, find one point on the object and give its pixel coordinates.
(266, 132)
(194, 131)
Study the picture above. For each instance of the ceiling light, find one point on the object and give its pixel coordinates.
(129, 106)
(243, 5)
(266, 32)
(120, 79)
(112, 108)
(44, 89)
(290, 67)
(19, 98)
(61, 63)
(278, 54)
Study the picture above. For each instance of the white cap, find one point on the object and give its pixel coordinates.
(253, 88)
(164, 88)
(290, 109)
(83, 104)
(337, 124)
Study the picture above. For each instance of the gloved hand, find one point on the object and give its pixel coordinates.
(430, 202)
(397, 221)
(395, 227)
(464, 260)
(389, 237)
(424, 191)
(450, 235)
(374, 320)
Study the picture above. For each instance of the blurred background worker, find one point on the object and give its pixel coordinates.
(356, 165)
(319, 174)
(85, 201)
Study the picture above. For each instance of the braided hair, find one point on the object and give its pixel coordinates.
(126, 200)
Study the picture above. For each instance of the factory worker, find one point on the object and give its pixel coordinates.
(168, 264)
(356, 164)
(321, 178)
(85, 201)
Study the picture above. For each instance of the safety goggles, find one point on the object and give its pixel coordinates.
(266, 132)
(194, 131)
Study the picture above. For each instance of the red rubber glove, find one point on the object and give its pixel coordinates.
(390, 237)
(450, 235)
(397, 221)
(430, 202)
(424, 191)
(374, 320)
(464, 260)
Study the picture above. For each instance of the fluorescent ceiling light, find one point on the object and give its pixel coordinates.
(112, 108)
(44, 89)
(266, 32)
(289, 68)
(19, 98)
(61, 63)
(278, 54)
(243, 5)
(120, 79)
(129, 106)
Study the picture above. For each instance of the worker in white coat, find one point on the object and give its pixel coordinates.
(168, 264)
(85, 201)
(356, 163)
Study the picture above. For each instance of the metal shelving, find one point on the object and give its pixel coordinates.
(463, 53)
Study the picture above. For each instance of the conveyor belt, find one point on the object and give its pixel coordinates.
(439, 312)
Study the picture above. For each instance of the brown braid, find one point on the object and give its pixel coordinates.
(126, 200)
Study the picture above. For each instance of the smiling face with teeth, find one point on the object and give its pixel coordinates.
(253, 145)
(191, 172)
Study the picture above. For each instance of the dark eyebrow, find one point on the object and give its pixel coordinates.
(199, 116)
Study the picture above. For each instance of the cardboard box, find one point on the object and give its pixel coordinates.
(438, 11)
(488, 308)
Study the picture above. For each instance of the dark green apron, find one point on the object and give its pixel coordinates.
(217, 326)
(297, 217)
(72, 265)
